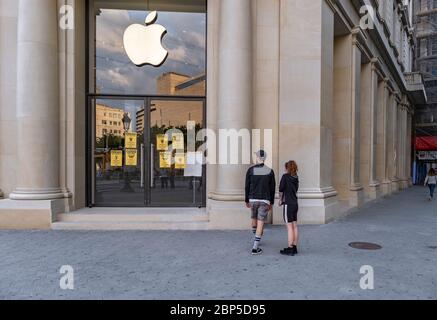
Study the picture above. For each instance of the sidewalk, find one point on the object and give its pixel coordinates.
(218, 265)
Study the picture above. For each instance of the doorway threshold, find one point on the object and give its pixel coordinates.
(133, 219)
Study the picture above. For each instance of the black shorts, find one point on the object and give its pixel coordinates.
(290, 213)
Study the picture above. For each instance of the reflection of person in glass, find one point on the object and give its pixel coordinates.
(164, 179)
(156, 174)
(196, 182)
(172, 178)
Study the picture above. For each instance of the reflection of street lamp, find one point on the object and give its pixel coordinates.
(126, 125)
(126, 122)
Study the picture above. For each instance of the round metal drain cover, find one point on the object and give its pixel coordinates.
(365, 246)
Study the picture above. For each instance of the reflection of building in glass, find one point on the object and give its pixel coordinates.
(175, 84)
(109, 121)
(162, 112)
(426, 62)
(140, 121)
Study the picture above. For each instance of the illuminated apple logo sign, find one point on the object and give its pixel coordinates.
(143, 44)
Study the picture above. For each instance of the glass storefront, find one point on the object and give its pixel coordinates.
(140, 116)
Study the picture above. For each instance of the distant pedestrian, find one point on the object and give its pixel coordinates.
(288, 189)
(259, 196)
(431, 181)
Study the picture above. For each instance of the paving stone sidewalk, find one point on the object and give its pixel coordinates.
(217, 265)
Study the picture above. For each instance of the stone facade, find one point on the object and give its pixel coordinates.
(333, 93)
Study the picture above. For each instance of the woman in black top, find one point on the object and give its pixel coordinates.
(288, 194)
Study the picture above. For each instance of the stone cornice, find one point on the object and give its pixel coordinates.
(331, 5)
(377, 67)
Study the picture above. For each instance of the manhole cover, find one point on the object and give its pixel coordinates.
(365, 246)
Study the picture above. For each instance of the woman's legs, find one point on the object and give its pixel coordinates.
(290, 234)
(296, 234)
(431, 190)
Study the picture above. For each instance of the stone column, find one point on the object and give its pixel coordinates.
(8, 83)
(394, 161)
(347, 92)
(401, 132)
(37, 102)
(306, 104)
(235, 82)
(404, 147)
(369, 134)
(409, 147)
(383, 135)
(356, 187)
(373, 181)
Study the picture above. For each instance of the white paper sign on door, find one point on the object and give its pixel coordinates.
(194, 166)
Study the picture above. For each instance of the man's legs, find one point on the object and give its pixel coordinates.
(254, 226)
(258, 235)
(256, 209)
(262, 211)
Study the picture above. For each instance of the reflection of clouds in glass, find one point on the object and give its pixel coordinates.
(109, 28)
(185, 41)
(116, 77)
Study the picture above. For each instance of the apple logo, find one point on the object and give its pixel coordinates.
(143, 44)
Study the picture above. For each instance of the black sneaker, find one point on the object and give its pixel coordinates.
(287, 251)
(256, 252)
(295, 250)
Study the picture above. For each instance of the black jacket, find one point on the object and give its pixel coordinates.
(289, 186)
(260, 184)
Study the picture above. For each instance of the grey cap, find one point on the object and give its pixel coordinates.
(261, 154)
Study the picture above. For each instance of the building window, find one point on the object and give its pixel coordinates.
(148, 102)
(183, 72)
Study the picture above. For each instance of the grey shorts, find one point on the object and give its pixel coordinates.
(260, 211)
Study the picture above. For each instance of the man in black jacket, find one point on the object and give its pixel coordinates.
(260, 196)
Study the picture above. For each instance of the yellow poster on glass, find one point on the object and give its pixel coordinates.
(165, 160)
(161, 142)
(178, 141)
(180, 161)
(131, 157)
(131, 140)
(116, 158)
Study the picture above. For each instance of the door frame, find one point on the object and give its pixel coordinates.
(90, 142)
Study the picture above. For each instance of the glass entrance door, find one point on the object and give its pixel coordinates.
(142, 152)
(118, 152)
(177, 173)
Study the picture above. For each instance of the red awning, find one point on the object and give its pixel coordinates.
(426, 143)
